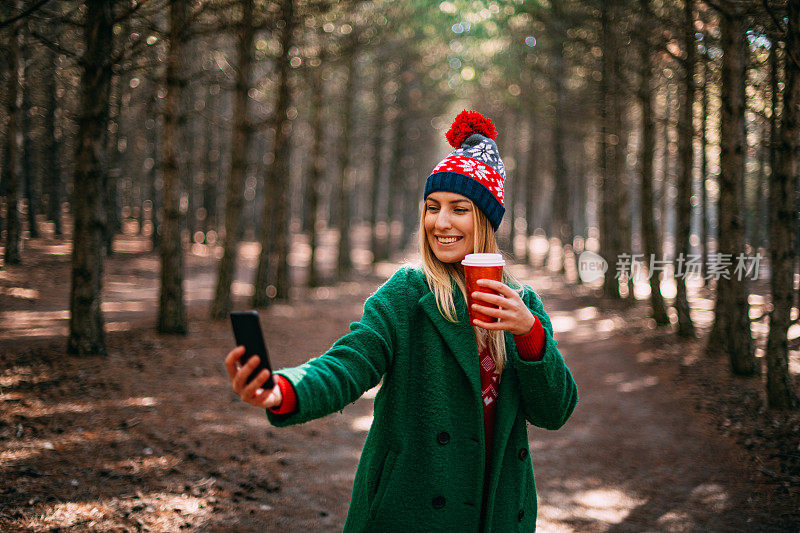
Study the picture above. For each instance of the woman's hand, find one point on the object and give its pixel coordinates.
(252, 392)
(513, 315)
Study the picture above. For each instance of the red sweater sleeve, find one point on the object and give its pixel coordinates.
(531, 345)
(289, 403)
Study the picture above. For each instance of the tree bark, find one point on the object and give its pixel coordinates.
(730, 333)
(647, 150)
(86, 335)
(10, 172)
(705, 231)
(532, 185)
(113, 218)
(240, 148)
(28, 175)
(318, 163)
(561, 224)
(783, 221)
(276, 198)
(683, 212)
(622, 211)
(377, 155)
(608, 182)
(52, 161)
(517, 207)
(399, 141)
(210, 170)
(344, 264)
(666, 173)
(154, 180)
(172, 308)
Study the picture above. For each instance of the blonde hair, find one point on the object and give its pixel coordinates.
(440, 277)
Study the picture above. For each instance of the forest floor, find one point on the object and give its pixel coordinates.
(151, 437)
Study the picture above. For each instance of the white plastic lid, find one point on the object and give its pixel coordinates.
(483, 260)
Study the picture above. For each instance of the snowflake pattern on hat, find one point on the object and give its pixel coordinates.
(483, 173)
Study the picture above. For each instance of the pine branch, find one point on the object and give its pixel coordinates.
(52, 45)
(775, 19)
(23, 14)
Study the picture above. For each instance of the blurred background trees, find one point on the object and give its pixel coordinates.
(661, 134)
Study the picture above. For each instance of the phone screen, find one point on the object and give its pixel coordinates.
(247, 330)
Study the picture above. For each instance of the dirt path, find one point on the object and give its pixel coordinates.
(151, 437)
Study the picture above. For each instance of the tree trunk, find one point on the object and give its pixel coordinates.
(377, 155)
(318, 163)
(622, 212)
(240, 148)
(517, 206)
(399, 141)
(705, 231)
(683, 222)
(28, 175)
(344, 264)
(10, 172)
(783, 220)
(86, 335)
(210, 170)
(730, 333)
(275, 234)
(763, 151)
(52, 161)
(647, 150)
(608, 183)
(172, 308)
(505, 232)
(532, 185)
(113, 218)
(562, 220)
(665, 165)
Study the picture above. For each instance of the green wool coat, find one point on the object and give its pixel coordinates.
(423, 466)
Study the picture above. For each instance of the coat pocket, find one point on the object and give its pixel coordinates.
(379, 482)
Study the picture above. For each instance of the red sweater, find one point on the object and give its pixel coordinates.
(530, 347)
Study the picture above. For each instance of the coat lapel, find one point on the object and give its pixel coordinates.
(459, 337)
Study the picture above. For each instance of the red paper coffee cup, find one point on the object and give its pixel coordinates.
(481, 266)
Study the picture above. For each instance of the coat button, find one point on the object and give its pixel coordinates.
(443, 438)
(523, 454)
(438, 502)
(521, 515)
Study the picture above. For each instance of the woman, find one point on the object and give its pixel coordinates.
(448, 447)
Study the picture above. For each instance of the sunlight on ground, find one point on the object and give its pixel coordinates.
(161, 512)
(619, 379)
(611, 505)
(562, 322)
(140, 465)
(362, 423)
(583, 324)
(607, 505)
(19, 292)
(113, 307)
(240, 288)
(132, 245)
(58, 249)
(371, 393)
(31, 448)
(14, 376)
(84, 407)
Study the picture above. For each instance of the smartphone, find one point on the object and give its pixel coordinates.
(247, 330)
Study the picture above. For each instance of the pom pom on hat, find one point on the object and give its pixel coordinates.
(466, 124)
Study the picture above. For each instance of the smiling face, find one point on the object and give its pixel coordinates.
(449, 225)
